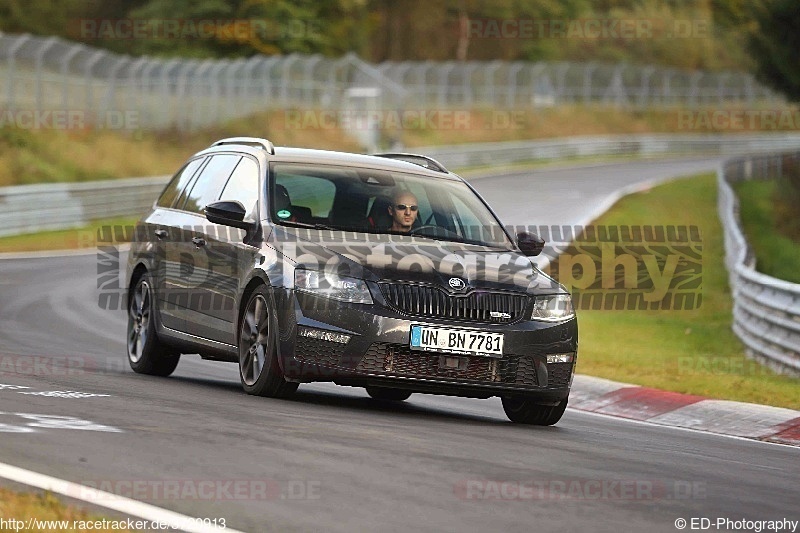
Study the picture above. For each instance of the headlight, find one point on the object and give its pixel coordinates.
(330, 285)
(553, 307)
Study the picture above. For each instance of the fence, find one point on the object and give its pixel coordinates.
(40, 74)
(766, 310)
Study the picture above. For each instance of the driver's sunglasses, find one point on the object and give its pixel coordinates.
(403, 207)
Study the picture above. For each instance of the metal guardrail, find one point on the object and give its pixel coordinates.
(766, 310)
(53, 206)
(460, 156)
(48, 206)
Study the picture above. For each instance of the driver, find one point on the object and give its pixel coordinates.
(404, 210)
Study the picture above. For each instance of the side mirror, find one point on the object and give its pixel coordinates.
(530, 244)
(227, 213)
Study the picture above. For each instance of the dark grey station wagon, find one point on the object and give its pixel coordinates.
(382, 271)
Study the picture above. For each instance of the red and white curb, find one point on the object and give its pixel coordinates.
(760, 422)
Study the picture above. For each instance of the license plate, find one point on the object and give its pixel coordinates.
(452, 340)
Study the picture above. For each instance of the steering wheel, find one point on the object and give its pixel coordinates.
(438, 230)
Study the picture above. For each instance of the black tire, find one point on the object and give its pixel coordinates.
(385, 393)
(526, 411)
(259, 369)
(147, 354)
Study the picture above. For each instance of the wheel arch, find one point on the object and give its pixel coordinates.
(138, 271)
(255, 281)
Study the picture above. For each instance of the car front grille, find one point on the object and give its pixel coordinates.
(477, 306)
(401, 360)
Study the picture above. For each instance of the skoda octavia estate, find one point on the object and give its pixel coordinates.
(382, 271)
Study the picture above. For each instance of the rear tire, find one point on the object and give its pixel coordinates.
(526, 411)
(259, 369)
(146, 353)
(388, 394)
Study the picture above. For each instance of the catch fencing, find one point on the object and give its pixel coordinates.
(108, 90)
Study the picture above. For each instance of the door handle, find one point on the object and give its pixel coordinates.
(160, 233)
(199, 241)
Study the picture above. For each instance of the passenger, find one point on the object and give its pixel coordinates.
(404, 210)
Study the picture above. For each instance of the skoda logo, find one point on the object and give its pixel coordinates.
(457, 284)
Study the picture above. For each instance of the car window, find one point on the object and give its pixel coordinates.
(464, 219)
(305, 190)
(208, 185)
(242, 187)
(178, 182)
(358, 199)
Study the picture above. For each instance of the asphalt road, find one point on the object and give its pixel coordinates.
(332, 459)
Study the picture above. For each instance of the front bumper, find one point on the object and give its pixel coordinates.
(378, 353)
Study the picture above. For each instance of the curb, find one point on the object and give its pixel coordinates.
(724, 417)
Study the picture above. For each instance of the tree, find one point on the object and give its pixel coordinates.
(775, 46)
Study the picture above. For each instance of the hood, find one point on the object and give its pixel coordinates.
(376, 257)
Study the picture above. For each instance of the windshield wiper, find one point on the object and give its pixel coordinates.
(315, 225)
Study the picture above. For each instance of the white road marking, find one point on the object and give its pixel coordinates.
(65, 394)
(53, 422)
(108, 500)
(3, 386)
(8, 428)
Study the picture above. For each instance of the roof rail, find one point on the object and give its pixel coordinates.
(249, 141)
(416, 159)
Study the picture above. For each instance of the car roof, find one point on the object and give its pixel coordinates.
(328, 157)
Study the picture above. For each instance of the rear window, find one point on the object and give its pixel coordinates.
(179, 182)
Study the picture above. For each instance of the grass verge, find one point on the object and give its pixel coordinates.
(47, 507)
(692, 351)
(777, 254)
(51, 155)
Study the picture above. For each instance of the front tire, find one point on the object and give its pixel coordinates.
(385, 393)
(146, 353)
(526, 411)
(259, 369)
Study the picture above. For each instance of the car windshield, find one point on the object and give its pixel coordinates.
(381, 201)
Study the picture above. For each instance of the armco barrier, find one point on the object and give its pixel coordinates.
(52, 206)
(31, 208)
(766, 310)
(460, 156)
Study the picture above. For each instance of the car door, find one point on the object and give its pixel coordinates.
(162, 231)
(185, 278)
(226, 258)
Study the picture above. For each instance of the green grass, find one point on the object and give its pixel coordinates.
(57, 155)
(777, 254)
(84, 237)
(47, 506)
(692, 351)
